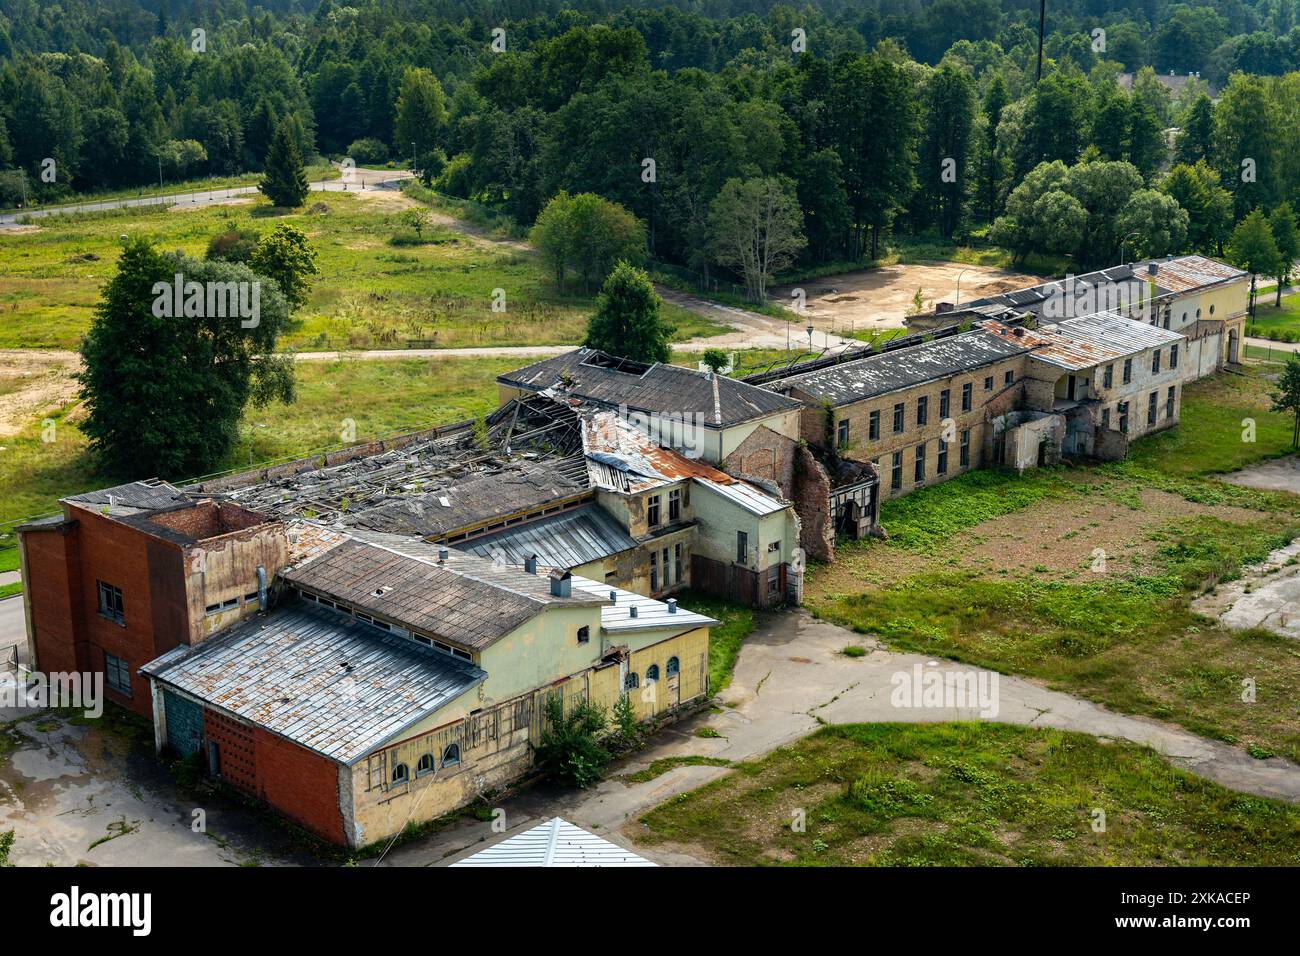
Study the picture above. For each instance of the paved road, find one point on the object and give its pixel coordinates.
(13, 629)
(360, 179)
(790, 673)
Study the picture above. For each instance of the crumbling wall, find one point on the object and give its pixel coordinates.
(764, 454)
(811, 496)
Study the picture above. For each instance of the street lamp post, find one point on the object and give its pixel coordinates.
(1123, 241)
(959, 275)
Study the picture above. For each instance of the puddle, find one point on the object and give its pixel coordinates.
(41, 765)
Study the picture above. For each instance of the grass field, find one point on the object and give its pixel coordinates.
(1272, 322)
(370, 293)
(970, 795)
(1000, 571)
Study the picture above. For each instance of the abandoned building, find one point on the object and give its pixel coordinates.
(1200, 298)
(354, 680)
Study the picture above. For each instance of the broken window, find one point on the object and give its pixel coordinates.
(654, 571)
(1008, 378)
(742, 547)
(945, 402)
(1105, 418)
(1108, 378)
(1153, 401)
(968, 391)
(117, 674)
(898, 418)
(1173, 355)
(584, 634)
(1128, 370)
(675, 505)
(1169, 403)
(965, 448)
(873, 426)
(922, 410)
(110, 603)
(988, 383)
(896, 471)
(920, 463)
(652, 511)
(1123, 417)
(941, 466)
(1155, 362)
(842, 433)
(677, 560)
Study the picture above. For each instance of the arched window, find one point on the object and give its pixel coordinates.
(674, 665)
(1211, 311)
(451, 755)
(652, 673)
(424, 765)
(632, 682)
(400, 773)
(1184, 318)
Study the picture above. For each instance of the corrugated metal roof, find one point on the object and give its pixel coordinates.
(624, 459)
(594, 376)
(554, 843)
(564, 540)
(323, 680)
(467, 600)
(1092, 340)
(887, 372)
(651, 615)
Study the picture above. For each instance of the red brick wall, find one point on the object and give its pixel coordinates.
(118, 555)
(48, 553)
(302, 785)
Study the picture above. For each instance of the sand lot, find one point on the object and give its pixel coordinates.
(880, 298)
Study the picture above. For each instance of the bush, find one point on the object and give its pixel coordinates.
(237, 245)
(368, 151)
(569, 749)
(456, 178)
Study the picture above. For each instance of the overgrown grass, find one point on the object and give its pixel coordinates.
(658, 768)
(972, 795)
(1126, 639)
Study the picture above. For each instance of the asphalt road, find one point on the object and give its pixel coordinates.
(12, 629)
(361, 179)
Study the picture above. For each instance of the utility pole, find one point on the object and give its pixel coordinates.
(1042, 20)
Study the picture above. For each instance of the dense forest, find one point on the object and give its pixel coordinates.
(875, 118)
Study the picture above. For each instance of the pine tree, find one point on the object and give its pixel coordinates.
(285, 180)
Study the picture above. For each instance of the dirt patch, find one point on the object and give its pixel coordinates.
(880, 298)
(1057, 538)
(386, 199)
(33, 385)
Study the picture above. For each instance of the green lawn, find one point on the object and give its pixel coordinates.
(737, 623)
(1271, 322)
(971, 795)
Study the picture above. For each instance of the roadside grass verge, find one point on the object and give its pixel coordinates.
(963, 794)
(736, 622)
(658, 768)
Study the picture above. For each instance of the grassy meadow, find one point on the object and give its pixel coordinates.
(970, 795)
(370, 293)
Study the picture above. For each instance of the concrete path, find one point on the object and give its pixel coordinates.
(790, 673)
(13, 628)
(362, 179)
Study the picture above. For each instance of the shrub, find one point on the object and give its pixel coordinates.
(570, 749)
(368, 151)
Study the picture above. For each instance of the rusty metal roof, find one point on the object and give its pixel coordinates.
(1089, 341)
(325, 681)
(623, 459)
(465, 599)
(606, 380)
